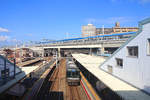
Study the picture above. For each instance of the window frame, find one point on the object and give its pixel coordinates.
(5, 72)
(119, 62)
(148, 47)
(110, 69)
(133, 52)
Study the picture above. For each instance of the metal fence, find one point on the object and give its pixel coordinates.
(7, 71)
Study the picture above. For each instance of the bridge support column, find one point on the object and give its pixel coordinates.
(90, 51)
(102, 50)
(59, 54)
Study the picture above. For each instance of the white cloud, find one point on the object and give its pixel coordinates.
(8, 39)
(4, 38)
(3, 29)
(29, 34)
(14, 40)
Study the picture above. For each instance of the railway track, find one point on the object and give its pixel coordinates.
(53, 79)
(40, 73)
(74, 93)
(56, 87)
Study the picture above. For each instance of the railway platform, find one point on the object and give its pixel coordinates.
(123, 90)
(24, 79)
(28, 62)
(19, 76)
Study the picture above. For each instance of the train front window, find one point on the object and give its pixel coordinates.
(73, 74)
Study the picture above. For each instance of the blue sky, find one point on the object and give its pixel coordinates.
(25, 20)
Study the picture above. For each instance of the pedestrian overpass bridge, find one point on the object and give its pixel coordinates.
(101, 42)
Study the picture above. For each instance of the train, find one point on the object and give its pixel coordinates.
(73, 76)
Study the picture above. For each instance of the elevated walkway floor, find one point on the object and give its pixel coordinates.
(25, 71)
(126, 91)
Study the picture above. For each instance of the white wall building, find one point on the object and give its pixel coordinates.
(131, 62)
(88, 30)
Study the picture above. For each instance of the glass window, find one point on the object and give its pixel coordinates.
(110, 69)
(148, 46)
(2, 73)
(133, 51)
(119, 62)
(73, 74)
(5, 72)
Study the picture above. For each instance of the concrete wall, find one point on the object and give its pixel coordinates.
(136, 70)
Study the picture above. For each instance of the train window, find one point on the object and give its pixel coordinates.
(68, 73)
(73, 74)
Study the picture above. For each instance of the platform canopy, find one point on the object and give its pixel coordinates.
(128, 92)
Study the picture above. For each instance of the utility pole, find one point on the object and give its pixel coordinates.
(103, 31)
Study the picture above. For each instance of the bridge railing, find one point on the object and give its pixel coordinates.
(8, 71)
(87, 42)
(92, 40)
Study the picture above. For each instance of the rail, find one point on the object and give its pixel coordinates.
(41, 74)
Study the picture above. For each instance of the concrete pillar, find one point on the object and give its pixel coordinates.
(59, 54)
(90, 51)
(43, 52)
(102, 50)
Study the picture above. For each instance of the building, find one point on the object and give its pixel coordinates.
(88, 30)
(91, 30)
(118, 29)
(101, 31)
(131, 61)
(9, 54)
(23, 54)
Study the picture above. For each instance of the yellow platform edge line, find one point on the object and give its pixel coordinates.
(90, 88)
